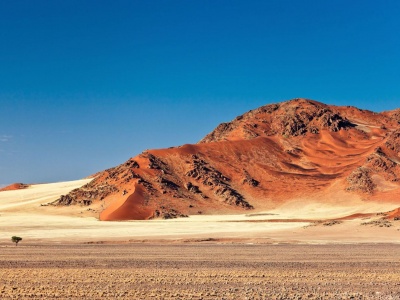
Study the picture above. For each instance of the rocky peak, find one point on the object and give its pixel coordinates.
(292, 118)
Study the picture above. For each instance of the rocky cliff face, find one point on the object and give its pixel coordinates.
(299, 149)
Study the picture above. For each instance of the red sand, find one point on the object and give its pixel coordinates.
(393, 215)
(14, 186)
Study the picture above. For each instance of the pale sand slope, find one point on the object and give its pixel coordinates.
(31, 197)
(21, 214)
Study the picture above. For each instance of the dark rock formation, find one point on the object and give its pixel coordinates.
(209, 176)
(168, 214)
(360, 180)
(86, 194)
(249, 180)
(192, 188)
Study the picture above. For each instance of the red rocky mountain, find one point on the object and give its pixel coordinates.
(298, 150)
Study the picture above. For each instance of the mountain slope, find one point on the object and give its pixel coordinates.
(299, 150)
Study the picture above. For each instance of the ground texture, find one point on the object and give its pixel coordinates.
(200, 270)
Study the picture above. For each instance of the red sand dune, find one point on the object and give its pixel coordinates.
(299, 149)
(393, 215)
(14, 186)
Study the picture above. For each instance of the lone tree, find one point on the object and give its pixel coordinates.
(16, 239)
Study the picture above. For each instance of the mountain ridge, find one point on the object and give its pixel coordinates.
(297, 150)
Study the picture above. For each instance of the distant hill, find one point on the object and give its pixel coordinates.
(13, 187)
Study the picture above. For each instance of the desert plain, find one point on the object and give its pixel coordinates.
(298, 251)
(199, 270)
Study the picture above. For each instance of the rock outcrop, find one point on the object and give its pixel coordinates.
(292, 118)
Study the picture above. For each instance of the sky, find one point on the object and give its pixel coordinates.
(85, 85)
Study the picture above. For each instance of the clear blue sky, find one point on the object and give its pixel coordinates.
(84, 85)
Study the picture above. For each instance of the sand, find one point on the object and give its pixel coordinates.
(199, 271)
(22, 214)
(293, 252)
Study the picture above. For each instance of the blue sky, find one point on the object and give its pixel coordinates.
(84, 85)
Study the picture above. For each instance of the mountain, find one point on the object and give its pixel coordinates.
(299, 151)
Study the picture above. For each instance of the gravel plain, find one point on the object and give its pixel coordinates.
(202, 270)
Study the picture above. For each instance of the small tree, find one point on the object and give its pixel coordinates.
(16, 239)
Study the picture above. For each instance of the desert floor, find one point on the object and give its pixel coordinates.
(298, 251)
(22, 213)
(199, 270)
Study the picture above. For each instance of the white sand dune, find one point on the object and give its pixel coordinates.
(22, 213)
(37, 194)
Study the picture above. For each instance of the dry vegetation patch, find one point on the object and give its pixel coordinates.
(380, 223)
